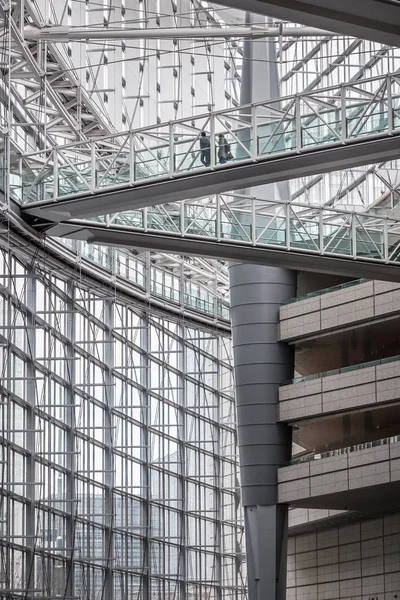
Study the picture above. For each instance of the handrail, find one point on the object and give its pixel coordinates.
(341, 451)
(349, 369)
(253, 132)
(333, 288)
(259, 224)
(124, 264)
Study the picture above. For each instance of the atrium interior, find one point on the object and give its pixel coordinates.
(199, 300)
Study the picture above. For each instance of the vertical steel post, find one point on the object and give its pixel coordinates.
(212, 141)
(30, 391)
(92, 166)
(109, 472)
(55, 174)
(297, 117)
(343, 119)
(172, 165)
(389, 104)
(132, 174)
(145, 455)
(70, 412)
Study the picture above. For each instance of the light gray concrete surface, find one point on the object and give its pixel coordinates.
(344, 482)
(340, 308)
(353, 390)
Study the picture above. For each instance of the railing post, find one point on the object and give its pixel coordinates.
(218, 218)
(353, 236)
(215, 300)
(321, 230)
(171, 149)
(297, 116)
(212, 140)
(287, 209)
(132, 174)
(182, 218)
(389, 104)
(55, 174)
(93, 167)
(343, 120)
(253, 221)
(385, 241)
(254, 147)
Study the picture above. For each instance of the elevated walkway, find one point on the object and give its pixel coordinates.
(376, 20)
(295, 236)
(330, 129)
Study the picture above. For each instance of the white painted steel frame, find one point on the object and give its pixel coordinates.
(229, 226)
(111, 476)
(58, 107)
(338, 116)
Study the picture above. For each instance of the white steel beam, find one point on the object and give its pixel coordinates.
(56, 33)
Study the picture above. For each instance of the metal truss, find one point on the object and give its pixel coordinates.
(51, 92)
(338, 57)
(335, 117)
(193, 289)
(65, 72)
(50, 105)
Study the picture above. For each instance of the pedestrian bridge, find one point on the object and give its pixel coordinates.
(296, 236)
(329, 129)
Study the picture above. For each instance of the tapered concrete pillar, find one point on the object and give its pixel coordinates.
(261, 364)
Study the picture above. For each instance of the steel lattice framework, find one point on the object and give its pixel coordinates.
(112, 419)
(338, 116)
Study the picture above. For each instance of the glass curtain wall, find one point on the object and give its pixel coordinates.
(118, 448)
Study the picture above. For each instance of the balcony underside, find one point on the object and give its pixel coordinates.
(97, 233)
(375, 20)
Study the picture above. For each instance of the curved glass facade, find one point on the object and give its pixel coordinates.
(118, 467)
(118, 458)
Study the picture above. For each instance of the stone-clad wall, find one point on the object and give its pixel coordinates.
(339, 308)
(350, 562)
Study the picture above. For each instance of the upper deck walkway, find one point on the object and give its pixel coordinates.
(330, 129)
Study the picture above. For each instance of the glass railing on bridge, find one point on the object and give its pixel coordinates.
(174, 289)
(264, 223)
(304, 122)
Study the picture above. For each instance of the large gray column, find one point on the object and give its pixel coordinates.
(261, 365)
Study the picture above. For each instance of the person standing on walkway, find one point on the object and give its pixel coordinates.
(224, 149)
(205, 156)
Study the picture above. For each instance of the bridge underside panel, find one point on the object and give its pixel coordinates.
(225, 250)
(229, 177)
(371, 19)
